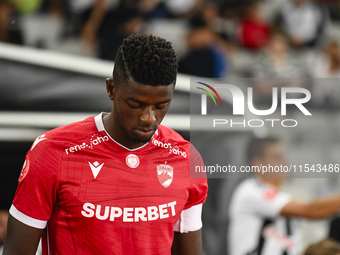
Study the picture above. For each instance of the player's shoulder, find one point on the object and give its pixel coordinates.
(59, 136)
(248, 187)
(253, 189)
(74, 130)
(172, 139)
(170, 134)
(246, 194)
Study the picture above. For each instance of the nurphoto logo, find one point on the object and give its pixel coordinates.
(287, 96)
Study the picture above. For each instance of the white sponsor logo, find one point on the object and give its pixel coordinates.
(95, 168)
(132, 161)
(38, 140)
(165, 174)
(129, 214)
(175, 150)
(93, 142)
(271, 233)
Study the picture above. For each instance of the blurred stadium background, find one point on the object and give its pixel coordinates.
(55, 55)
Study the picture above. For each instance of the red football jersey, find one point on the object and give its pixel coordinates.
(95, 196)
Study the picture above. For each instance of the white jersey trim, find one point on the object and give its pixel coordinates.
(41, 224)
(100, 126)
(190, 219)
(99, 122)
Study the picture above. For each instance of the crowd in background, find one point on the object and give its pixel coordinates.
(215, 32)
(213, 38)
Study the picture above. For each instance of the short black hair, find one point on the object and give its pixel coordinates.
(147, 59)
(326, 246)
(256, 146)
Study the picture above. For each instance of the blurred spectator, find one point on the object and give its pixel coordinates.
(208, 53)
(253, 31)
(183, 9)
(14, 14)
(327, 63)
(277, 61)
(230, 14)
(210, 16)
(10, 30)
(96, 17)
(324, 247)
(104, 23)
(78, 12)
(263, 218)
(107, 26)
(305, 22)
(224, 26)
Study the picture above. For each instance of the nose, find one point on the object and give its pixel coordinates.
(148, 116)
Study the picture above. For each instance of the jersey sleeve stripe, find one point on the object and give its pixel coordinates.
(189, 220)
(41, 224)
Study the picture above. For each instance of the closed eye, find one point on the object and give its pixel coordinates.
(133, 105)
(162, 106)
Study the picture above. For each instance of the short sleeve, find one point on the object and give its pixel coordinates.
(268, 202)
(38, 183)
(191, 217)
(189, 220)
(198, 180)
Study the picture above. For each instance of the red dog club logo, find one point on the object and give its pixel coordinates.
(165, 174)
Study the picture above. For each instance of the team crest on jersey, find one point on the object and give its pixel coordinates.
(132, 161)
(25, 169)
(165, 174)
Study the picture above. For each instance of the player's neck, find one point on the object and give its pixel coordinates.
(118, 133)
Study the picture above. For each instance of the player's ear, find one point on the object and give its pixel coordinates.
(111, 88)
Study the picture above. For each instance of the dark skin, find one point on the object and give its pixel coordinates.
(137, 111)
(21, 239)
(187, 244)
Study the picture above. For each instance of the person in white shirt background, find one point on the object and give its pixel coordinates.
(265, 220)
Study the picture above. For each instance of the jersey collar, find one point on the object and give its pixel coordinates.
(100, 127)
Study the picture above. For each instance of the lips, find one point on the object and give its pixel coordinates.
(144, 133)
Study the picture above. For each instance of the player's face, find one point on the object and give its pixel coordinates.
(138, 110)
(274, 154)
